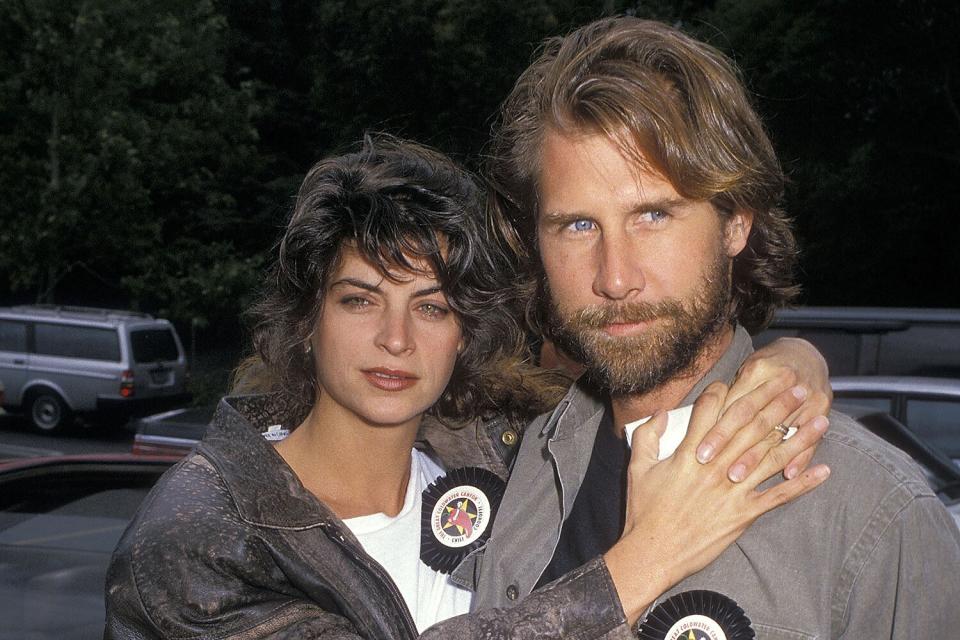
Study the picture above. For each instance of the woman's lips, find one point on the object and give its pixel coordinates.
(390, 379)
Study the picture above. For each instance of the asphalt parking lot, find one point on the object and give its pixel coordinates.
(17, 441)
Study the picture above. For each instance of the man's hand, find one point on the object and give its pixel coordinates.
(784, 363)
(681, 514)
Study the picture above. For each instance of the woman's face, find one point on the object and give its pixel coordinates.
(384, 350)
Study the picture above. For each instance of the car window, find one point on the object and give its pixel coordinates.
(13, 335)
(873, 402)
(71, 341)
(841, 349)
(90, 523)
(58, 530)
(153, 345)
(937, 422)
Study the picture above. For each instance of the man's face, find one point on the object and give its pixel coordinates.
(638, 276)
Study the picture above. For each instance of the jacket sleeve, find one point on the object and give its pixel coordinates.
(905, 585)
(207, 599)
(582, 604)
(189, 568)
(292, 620)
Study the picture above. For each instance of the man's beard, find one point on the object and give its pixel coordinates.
(625, 365)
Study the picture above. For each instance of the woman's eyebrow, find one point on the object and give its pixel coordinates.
(429, 291)
(360, 284)
(375, 288)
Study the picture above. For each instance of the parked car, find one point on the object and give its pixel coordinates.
(930, 407)
(173, 432)
(876, 340)
(60, 519)
(58, 361)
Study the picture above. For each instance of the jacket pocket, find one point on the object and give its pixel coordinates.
(768, 632)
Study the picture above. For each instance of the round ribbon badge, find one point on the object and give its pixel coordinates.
(697, 615)
(458, 511)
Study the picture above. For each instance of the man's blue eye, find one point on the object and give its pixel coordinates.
(653, 216)
(582, 225)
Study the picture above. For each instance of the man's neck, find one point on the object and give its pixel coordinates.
(669, 394)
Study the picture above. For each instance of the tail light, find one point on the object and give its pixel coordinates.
(126, 384)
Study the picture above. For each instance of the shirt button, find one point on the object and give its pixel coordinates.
(509, 437)
(512, 592)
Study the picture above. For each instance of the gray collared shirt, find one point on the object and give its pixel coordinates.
(872, 554)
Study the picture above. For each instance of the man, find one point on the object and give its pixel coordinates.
(643, 187)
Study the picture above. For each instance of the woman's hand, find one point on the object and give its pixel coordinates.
(784, 363)
(681, 514)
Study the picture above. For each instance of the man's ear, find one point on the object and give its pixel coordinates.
(736, 231)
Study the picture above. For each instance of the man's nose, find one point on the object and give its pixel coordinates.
(395, 334)
(618, 272)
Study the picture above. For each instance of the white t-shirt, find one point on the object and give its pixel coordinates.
(678, 421)
(395, 544)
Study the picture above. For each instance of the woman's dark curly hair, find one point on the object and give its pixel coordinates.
(399, 203)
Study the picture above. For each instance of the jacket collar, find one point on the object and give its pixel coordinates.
(265, 489)
(725, 369)
(582, 404)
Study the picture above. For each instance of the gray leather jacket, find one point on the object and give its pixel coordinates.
(229, 544)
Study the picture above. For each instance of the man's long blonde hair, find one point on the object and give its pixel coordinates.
(674, 105)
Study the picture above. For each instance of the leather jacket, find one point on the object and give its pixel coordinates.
(229, 544)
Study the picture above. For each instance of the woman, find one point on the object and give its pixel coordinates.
(386, 320)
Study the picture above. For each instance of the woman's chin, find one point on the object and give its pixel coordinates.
(388, 416)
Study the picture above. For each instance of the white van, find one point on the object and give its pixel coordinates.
(57, 361)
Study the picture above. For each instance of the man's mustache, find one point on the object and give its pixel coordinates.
(599, 316)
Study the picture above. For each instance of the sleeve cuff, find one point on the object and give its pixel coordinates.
(589, 603)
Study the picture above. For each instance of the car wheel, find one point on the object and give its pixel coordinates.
(48, 412)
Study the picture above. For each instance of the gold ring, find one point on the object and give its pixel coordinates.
(783, 429)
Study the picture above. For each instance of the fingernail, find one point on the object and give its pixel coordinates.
(821, 472)
(820, 423)
(737, 473)
(799, 392)
(790, 472)
(705, 453)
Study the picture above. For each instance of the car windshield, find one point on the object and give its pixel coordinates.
(153, 345)
(56, 540)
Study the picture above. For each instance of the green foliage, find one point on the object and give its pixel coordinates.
(433, 70)
(121, 139)
(194, 281)
(149, 150)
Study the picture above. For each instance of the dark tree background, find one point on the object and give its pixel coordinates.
(149, 150)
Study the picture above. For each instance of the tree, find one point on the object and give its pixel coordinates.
(120, 134)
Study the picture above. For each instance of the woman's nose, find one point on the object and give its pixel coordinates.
(395, 335)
